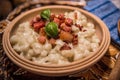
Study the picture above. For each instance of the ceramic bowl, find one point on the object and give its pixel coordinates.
(56, 70)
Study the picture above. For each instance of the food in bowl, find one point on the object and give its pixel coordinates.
(51, 38)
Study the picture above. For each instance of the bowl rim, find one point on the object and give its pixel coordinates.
(55, 6)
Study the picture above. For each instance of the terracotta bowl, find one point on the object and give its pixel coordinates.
(56, 70)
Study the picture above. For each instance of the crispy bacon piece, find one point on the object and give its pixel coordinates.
(52, 16)
(66, 36)
(42, 39)
(56, 20)
(80, 27)
(84, 30)
(35, 19)
(75, 15)
(42, 32)
(31, 22)
(62, 21)
(52, 41)
(66, 28)
(65, 47)
(63, 25)
(38, 17)
(75, 39)
(61, 16)
(38, 25)
(68, 21)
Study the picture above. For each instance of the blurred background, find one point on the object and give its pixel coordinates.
(6, 6)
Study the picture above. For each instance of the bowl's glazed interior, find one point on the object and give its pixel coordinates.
(56, 70)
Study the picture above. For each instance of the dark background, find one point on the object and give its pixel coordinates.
(6, 6)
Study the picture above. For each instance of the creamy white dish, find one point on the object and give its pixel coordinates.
(56, 38)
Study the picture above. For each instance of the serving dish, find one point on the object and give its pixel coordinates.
(56, 70)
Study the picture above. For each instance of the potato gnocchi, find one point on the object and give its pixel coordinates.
(25, 41)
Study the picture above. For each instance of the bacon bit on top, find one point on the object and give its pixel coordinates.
(42, 32)
(52, 41)
(84, 30)
(42, 39)
(65, 47)
(68, 21)
(75, 39)
(31, 22)
(62, 25)
(52, 16)
(80, 27)
(66, 28)
(38, 17)
(61, 16)
(75, 15)
(35, 19)
(38, 25)
(56, 20)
